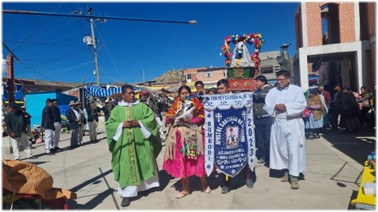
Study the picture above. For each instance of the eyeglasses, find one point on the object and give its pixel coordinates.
(282, 79)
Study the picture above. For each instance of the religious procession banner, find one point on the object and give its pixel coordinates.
(229, 132)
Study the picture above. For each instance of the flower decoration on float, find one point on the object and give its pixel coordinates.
(239, 40)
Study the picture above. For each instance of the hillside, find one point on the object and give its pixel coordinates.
(171, 76)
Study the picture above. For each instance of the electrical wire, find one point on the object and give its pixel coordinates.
(68, 69)
(78, 19)
(100, 35)
(65, 35)
(108, 52)
(39, 27)
(109, 75)
(43, 43)
(57, 71)
(135, 58)
(58, 58)
(31, 68)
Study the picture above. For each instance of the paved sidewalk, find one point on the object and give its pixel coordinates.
(332, 179)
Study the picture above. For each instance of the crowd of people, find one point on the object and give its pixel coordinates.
(277, 112)
(347, 111)
(284, 117)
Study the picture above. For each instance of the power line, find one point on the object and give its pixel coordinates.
(43, 43)
(58, 58)
(73, 10)
(66, 69)
(31, 68)
(10, 51)
(107, 51)
(91, 17)
(28, 12)
(40, 26)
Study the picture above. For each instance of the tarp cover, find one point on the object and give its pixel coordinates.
(27, 178)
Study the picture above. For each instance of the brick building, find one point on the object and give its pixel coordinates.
(336, 40)
(210, 76)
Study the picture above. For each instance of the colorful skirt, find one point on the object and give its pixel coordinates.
(182, 166)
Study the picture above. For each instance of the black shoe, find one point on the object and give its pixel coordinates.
(52, 150)
(249, 183)
(225, 190)
(125, 201)
(57, 149)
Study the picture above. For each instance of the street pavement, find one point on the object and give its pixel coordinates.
(334, 167)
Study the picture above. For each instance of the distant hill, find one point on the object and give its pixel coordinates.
(171, 76)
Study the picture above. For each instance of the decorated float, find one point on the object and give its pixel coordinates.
(242, 67)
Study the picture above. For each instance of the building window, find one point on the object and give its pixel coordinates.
(276, 68)
(330, 23)
(208, 74)
(188, 76)
(266, 70)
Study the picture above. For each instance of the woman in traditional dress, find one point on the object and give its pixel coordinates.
(184, 148)
(315, 121)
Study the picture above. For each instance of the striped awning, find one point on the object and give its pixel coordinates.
(104, 92)
(101, 92)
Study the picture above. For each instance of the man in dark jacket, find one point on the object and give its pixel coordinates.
(27, 115)
(73, 119)
(336, 108)
(57, 124)
(81, 124)
(262, 120)
(48, 126)
(16, 127)
(27, 119)
(107, 109)
(92, 110)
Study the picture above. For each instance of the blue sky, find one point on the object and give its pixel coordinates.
(51, 48)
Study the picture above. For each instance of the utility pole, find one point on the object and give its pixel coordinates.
(91, 40)
(94, 47)
(83, 98)
(10, 78)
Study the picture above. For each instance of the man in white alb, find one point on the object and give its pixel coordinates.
(286, 103)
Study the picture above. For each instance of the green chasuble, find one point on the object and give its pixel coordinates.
(133, 155)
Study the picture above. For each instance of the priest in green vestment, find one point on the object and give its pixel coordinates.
(133, 137)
